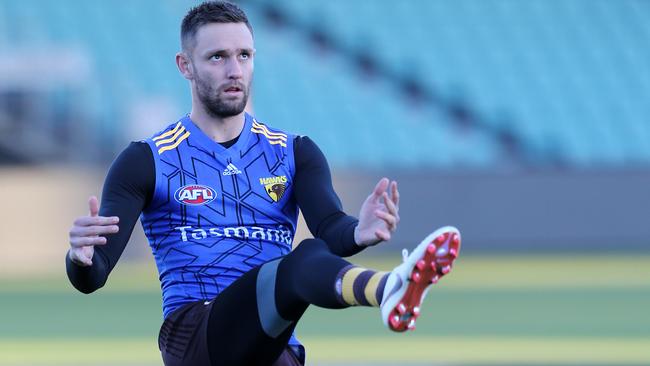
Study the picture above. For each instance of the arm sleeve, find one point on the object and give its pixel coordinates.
(320, 205)
(128, 189)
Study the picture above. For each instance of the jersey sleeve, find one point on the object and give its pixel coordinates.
(319, 203)
(128, 189)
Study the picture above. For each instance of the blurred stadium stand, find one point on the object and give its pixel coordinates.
(560, 82)
(524, 123)
(445, 84)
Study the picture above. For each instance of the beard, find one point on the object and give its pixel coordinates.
(217, 105)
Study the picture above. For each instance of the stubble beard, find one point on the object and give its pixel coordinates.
(217, 106)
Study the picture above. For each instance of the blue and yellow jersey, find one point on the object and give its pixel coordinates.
(216, 213)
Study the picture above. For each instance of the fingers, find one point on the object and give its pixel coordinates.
(96, 220)
(85, 241)
(391, 221)
(93, 230)
(79, 258)
(394, 193)
(380, 188)
(382, 234)
(392, 203)
(383, 204)
(93, 205)
(90, 230)
(390, 206)
(82, 261)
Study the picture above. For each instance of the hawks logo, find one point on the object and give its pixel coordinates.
(194, 195)
(275, 186)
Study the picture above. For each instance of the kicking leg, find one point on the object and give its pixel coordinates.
(311, 274)
(253, 319)
(260, 310)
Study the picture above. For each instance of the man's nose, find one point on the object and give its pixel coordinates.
(234, 69)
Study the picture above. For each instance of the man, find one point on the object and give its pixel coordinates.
(218, 193)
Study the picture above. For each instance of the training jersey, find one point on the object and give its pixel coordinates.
(218, 212)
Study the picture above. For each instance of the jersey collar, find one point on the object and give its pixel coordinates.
(207, 143)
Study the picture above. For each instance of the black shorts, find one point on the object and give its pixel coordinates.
(225, 331)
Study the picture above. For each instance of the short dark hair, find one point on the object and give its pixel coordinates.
(210, 12)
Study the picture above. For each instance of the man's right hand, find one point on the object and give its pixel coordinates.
(88, 231)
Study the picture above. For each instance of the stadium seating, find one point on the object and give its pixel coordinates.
(569, 80)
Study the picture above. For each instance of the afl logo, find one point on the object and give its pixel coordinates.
(194, 195)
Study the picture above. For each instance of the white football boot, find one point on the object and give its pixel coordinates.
(408, 283)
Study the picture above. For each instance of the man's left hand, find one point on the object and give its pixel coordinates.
(379, 216)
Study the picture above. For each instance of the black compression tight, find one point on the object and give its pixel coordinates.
(308, 276)
(236, 334)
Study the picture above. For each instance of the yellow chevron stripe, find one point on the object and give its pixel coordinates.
(371, 288)
(347, 285)
(283, 138)
(272, 142)
(265, 129)
(269, 134)
(171, 147)
(166, 141)
(162, 136)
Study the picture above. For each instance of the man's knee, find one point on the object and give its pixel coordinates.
(310, 247)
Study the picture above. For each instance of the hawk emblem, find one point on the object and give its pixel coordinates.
(275, 187)
(275, 191)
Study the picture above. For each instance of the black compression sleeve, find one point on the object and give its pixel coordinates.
(320, 205)
(128, 189)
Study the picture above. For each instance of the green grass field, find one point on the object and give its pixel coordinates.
(582, 310)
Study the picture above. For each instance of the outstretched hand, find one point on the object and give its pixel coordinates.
(88, 231)
(379, 216)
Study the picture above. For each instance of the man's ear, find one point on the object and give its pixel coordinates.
(184, 65)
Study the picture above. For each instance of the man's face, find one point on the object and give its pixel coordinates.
(222, 59)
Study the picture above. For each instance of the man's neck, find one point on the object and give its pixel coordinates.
(217, 128)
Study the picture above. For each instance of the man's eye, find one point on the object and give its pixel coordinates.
(245, 55)
(215, 57)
